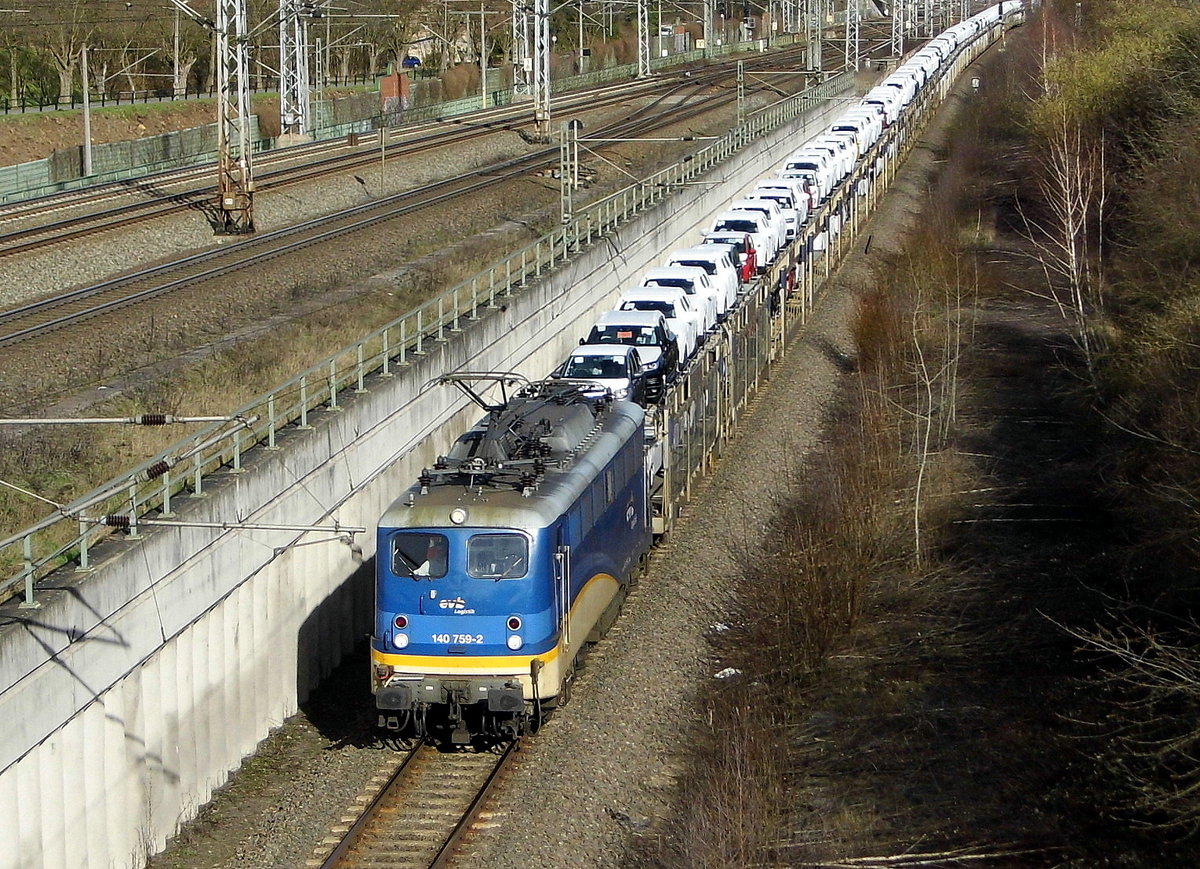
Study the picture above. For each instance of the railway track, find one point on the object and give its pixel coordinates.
(171, 193)
(127, 203)
(74, 306)
(421, 812)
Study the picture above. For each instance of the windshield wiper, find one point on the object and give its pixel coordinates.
(413, 567)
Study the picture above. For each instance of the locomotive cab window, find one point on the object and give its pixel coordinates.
(497, 556)
(419, 554)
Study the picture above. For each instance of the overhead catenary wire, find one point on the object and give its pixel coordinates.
(146, 419)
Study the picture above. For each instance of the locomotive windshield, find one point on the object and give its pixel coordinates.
(497, 556)
(419, 554)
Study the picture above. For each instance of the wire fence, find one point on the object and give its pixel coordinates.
(333, 119)
(269, 84)
(262, 84)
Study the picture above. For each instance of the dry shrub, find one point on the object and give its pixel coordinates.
(877, 332)
(732, 800)
(1148, 742)
(460, 81)
(830, 543)
(1154, 446)
(625, 47)
(1161, 252)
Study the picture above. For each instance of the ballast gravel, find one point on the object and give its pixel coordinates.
(604, 770)
(40, 273)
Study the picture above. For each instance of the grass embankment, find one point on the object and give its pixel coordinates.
(61, 465)
(64, 463)
(970, 640)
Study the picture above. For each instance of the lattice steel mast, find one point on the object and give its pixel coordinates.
(522, 67)
(814, 12)
(643, 37)
(852, 19)
(235, 175)
(294, 83)
(541, 69)
(898, 22)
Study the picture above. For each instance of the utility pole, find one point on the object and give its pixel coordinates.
(87, 112)
(483, 52)
(565, 173)
(180, 87)
(568, 167)
(741, 95)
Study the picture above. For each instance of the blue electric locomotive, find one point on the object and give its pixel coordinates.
(505, 558)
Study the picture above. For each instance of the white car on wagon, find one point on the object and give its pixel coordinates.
(722, 268)
(693, 281)
(674, 305)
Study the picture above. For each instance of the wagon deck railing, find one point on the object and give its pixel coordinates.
(65, 537)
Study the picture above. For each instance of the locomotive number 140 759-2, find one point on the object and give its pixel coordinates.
(458, 639)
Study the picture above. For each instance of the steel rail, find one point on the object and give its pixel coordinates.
(393, 792)
(74, 198)
(446, 852)
(71, 228)
(271, 245)
(368, 813)
(470, 127)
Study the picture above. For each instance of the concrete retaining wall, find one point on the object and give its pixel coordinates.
(136, 688)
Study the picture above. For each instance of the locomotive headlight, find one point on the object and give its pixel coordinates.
(400, 641)
(458, 515)
(515, 642)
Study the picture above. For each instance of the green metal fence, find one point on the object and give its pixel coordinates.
(120, 161)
